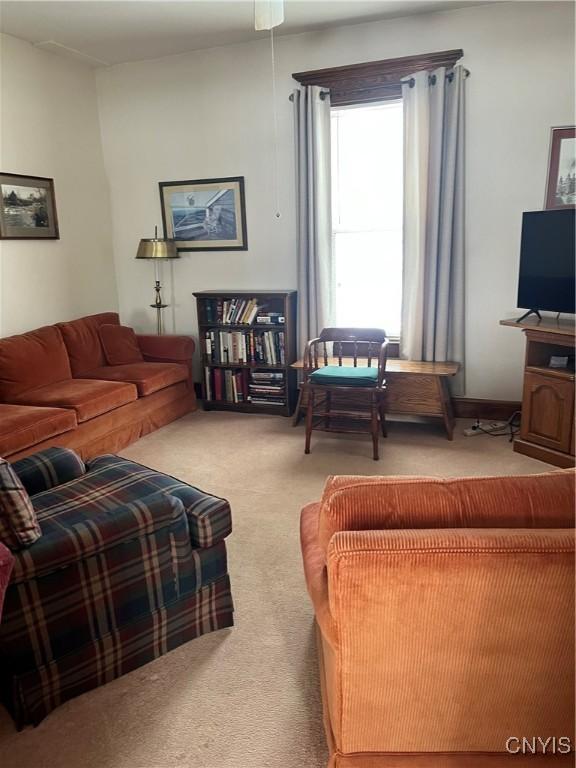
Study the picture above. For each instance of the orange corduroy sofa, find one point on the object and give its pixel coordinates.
(57, 388)
(445, 619)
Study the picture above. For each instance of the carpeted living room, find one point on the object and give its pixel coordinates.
(287, 384)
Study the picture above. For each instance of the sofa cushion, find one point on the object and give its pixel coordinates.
(18, 524)
(112, 481)
(24, 425)
(351, 503)
(32, 360)
(148, 377)
(344, 376)
(120, 344)
(87, 397)
(82, 340)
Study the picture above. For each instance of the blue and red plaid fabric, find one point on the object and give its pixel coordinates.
(35, 693)
(112, 481)
(18, 525)
(49, 468)
(110, 585)
(6, 565)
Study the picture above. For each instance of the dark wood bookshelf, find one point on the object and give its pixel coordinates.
(283, 303)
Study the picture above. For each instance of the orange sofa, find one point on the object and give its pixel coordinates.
(445, 618)
(56, 388)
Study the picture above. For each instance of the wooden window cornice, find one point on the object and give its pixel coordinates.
(374, 80)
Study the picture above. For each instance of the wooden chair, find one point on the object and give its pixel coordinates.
(358, 389)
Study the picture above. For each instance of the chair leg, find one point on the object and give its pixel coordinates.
(382, 410)
(327, 407)
(309, 417)
(375, 430)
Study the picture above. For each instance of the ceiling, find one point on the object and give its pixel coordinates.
(104, 32)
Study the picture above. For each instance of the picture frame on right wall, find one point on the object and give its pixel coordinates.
(561, 180)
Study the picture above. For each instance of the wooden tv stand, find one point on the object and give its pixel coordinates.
(547, 426)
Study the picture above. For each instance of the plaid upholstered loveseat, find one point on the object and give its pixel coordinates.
(131, 563)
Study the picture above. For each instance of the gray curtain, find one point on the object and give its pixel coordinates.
(433, 287)
(316, 283)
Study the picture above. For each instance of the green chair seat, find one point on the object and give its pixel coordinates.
(344, 376)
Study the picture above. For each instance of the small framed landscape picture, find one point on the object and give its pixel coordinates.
(205, 215)
(27, 208)
(561, 182)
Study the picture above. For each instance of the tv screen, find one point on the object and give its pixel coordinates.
(547, 261)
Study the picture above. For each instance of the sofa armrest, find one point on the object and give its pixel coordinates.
(315, 573)
(371, 503)
(65, 544)
(209, 516)
(48, 469)
(166, 348)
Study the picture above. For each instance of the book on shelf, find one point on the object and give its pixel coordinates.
(243, 347)
(244, 386)
(240, 311)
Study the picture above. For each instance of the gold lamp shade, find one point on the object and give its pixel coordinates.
(157, 248)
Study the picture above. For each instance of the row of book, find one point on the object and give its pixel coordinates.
(244, 386)
(240, 312)
(227, 347)
(267, 388)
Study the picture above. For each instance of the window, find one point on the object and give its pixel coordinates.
(367, 180)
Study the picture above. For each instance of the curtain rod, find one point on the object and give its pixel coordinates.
(323, 95)
(411, 83)
(432, 79)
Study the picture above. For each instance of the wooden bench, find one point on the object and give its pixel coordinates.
(420, 389)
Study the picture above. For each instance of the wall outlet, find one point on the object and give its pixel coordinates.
(482, 428)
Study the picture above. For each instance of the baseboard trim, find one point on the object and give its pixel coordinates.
(549, 455)
(472, 408)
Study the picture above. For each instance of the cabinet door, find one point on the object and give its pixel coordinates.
(547, 410)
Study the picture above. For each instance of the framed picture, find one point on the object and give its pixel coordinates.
(206, 214)
(561, 182)
(28, 208)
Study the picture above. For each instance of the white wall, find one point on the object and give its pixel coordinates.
(50, 127)
(208, 114)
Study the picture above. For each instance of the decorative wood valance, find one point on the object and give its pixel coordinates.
(374, 80)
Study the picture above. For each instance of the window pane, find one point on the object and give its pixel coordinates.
(367, 176)
(369, 279)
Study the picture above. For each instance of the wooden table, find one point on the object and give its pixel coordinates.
(415, 388)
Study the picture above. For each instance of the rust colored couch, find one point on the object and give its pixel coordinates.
(56, 388)
(445, 618)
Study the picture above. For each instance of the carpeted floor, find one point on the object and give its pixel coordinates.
(246, 697)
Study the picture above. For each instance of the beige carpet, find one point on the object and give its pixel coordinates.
(246, 697)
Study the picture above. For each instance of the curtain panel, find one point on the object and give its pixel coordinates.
(433, 285)
(316, 274)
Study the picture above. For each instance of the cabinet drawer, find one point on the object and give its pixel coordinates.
(547, 411)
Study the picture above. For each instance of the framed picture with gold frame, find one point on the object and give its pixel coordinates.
(205, 214)
(561, 181)
(27, 208)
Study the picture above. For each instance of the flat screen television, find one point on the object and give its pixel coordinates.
(547, 257)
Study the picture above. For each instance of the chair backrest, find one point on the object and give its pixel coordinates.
(365, 346)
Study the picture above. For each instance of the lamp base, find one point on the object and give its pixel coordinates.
(158, 306)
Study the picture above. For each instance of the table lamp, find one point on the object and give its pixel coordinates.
(157, 249)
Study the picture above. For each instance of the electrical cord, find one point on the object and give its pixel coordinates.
(509, 429)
